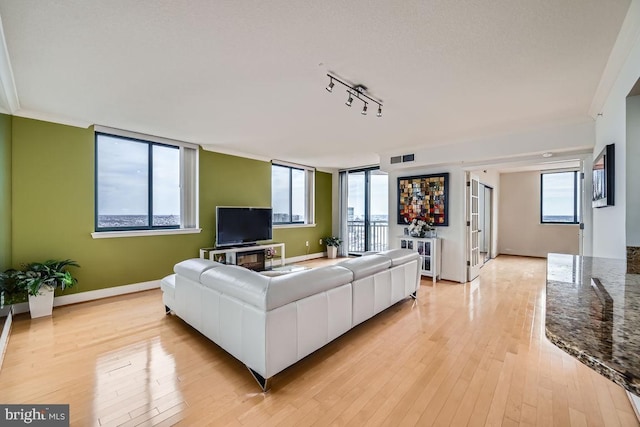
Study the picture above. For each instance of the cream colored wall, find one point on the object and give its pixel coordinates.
(520, 230)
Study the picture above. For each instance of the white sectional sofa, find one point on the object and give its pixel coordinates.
(270, 323)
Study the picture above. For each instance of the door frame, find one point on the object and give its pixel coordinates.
(491, 213)
(472, 259)
(367, 203)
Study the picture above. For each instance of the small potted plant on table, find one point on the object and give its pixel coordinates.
(41, 279)
(332, 246)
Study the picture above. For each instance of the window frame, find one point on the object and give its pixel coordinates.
(309, 194)
(576, 188)
(188, 183)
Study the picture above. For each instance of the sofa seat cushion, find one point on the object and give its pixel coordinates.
(366, 265)
(296, 286)
(168, 285)
(193, 268)
(399, 256)
(239, 282)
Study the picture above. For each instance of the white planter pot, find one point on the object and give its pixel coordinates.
(42, 304)
(332, 252)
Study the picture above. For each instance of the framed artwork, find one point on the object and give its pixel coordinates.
(603, 178)
(424, 197)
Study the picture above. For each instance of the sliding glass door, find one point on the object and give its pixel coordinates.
(367, 210)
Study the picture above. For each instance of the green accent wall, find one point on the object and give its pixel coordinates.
(53, 208)
(5, 192)
(227, 180)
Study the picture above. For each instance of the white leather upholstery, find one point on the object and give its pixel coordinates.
(366, 266)
(168, 286)
(269, 323)
(239, 282)
(193, 268)
(397, 256)
(295, 286)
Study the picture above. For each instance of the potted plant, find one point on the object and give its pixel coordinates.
(332, 245)
(419, 227)
(10, 291)
(41, 279)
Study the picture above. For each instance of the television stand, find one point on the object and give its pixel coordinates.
(230, 255)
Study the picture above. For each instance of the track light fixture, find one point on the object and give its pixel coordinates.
(330, 87)
(358, 91)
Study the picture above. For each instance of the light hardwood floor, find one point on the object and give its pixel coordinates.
(472, 354)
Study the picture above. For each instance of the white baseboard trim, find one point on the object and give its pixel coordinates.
(4, 339)
(305, 257)
(635, 403)
(93, 295)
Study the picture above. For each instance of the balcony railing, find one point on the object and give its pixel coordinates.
(378, 236)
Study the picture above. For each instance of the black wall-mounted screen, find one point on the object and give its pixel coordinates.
(242, 225)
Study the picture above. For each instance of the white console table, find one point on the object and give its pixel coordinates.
(228, 255)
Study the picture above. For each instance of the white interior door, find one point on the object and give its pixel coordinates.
(473, 214)
(580, 204)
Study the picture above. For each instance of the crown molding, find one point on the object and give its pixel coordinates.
(8, 91)
(626, 40)
(53, 118)
(224, 150)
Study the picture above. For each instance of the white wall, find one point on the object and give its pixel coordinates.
(633, 172)
(521, 232)
(609, 224)
(453, 236)
(517, 146)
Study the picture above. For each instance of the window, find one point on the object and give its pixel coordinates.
(292, 194)
(560, 197)
(144, 183)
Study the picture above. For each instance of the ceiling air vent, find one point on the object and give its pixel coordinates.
(408, 157)
(396, 159)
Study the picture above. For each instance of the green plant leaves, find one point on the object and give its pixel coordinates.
(51, 273)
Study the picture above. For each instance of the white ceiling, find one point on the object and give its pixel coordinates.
(249, 77)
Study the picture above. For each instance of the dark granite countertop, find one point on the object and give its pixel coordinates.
(593, 313)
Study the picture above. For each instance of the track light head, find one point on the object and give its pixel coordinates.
(350, 100)
(364, 109)
(330, 87)
(379, 111)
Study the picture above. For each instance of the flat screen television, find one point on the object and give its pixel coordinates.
(242, 226)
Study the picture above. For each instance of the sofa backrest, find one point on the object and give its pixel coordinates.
(239, 282)
(399, 256)
(267, 293)
(295, 286)
(193, 268)
(366, 265)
